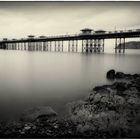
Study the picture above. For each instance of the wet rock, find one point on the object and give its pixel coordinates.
(101, 88)
(56, 126)
(120, 86)
(27, 127)
(84, 128)
(110, 74)
(131, 92)
(91, 97)
(119, 100)
(119, 75)
(136, 75)
(103, 119)
(111, 91)
(38, 112)
(105, 99)
(97, 97)
(133, 101)
(136, 83)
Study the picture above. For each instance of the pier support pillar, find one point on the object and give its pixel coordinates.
(116, 45)
(18, 45)
(95, 45)
(91, 44)
(44, 46)
(55, 46)
(50, 46)
(24, 45)
(69, 46)
(120, 45)
(123, 45)
(86, 46)
(29, 46)
(36, 46)
(62, 46)
(7, 46)
(103, 44)
(72, 46)
(82, 45)
(58, 46)
(21, 46)
(13, 46)
(33, 46)
(99, 47)
(76, 45)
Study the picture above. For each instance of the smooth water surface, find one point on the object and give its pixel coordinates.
(55, 78)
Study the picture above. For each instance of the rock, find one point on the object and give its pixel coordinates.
(120, 86)
(97, 97)
(111, 91)
(136, 75)
(133, 101)
(119, 100)
(83, 128)
(37, 112)
(103, 119)
(55, 126)
(110, 74)
(132, 92)
(128, 76)
(91, 96)
(119, 75)
(136, 84)
(105, 99)
(103, 89)
(27, 127)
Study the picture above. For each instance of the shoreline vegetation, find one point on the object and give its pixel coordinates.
(109, 111)
(132, 45)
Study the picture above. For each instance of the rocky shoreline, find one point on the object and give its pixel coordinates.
(109, 111)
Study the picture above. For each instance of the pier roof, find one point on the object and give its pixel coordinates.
(5, 39)
(31, 36)
(86, 29)
(100, 31)
(42, 36)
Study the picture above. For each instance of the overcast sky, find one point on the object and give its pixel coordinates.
(19, 19)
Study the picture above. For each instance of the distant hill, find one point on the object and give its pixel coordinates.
(132, 45)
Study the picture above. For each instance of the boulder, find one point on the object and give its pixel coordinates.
(119, 75)
(37, 112)
(110, 74)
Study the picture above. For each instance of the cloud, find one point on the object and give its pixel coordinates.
(18, 19)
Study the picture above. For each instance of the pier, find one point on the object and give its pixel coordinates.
(89, 40)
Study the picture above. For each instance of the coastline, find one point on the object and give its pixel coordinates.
(109, 111)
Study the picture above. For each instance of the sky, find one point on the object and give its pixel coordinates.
(19, 19)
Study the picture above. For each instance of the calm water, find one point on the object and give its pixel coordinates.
(54, 78)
